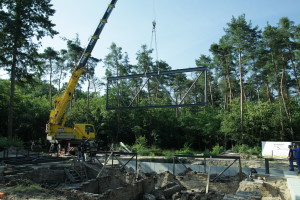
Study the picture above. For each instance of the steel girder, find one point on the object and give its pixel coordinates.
(156, 90)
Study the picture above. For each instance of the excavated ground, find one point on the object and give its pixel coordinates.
(53, 181)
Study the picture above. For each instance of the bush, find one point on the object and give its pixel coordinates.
(217, 149)
(245, 149)
(168, 153)
(186, 149)
(255, 151)
(240, 148)
(13, 142)
(140, 146)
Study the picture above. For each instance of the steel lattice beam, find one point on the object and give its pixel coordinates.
(115, 100)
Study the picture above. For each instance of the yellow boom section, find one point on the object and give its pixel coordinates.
(62, 102)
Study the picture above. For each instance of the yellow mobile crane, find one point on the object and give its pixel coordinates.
(56, 131)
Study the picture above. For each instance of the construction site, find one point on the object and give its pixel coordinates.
(76, 165)
(125, 176)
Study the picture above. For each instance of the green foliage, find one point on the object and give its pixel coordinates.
(255, 151)
(217, 150)
(268, 61)
(10, 142)
(240, 148)
(168, 153)
(24, 186)
(140, 146)
(186, 149)
(246, 149)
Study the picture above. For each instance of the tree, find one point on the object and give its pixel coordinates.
(116, 64)
(243, 38)
(278, 46)
(21, 22)
(223, 59)
(50, 56)
(89, 76)
(206, 61)
(74, 52)
(145, 63)
(61, 68)
(291, 45)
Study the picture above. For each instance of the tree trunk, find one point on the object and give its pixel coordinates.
(229, 85)
(242, 92)
(59, 80)
(10, 132)
(294, 70)
(276, 74)
(88, 100)
(50, 93)
(268, 92)
(94, 84)
(210, 92)
(288, 114)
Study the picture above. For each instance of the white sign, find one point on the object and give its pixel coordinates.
(275, 149)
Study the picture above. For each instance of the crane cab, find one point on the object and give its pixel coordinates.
(84, 131)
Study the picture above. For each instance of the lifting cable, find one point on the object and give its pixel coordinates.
(154, 35)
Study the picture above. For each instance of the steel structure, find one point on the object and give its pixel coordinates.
(142, 95)
(234, 158)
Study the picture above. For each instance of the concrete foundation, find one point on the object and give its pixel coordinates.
(113, 188)
(151, 180)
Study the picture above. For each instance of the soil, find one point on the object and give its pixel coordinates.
(273, 188)
(193, 182)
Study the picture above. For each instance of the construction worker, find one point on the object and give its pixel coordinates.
(297, 156)
(81, 151)
(291, 158)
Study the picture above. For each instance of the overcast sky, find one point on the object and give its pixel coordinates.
(185, 28)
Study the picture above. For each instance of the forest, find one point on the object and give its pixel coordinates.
(253, 85)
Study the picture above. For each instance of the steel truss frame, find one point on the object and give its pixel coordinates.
(234, 158)
(150, 76)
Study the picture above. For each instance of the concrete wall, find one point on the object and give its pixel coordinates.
(42, 175)
(100, 185)
(148, 167)
(1, 174)
(113, 188)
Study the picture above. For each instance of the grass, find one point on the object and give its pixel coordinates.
(9, 142)
(23, 187)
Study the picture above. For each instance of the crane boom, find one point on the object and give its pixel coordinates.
(55, 128)
(61, 103)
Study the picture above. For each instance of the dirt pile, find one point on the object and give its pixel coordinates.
(191, 185)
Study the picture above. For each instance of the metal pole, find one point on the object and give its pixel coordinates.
(158, 73)
(138, 92)
(189, 89)
(166, 91)
(173, 165)
(208, 176)
(240, 165)
(136, 163)
(224, 170)
(267, 166)
(204, 165)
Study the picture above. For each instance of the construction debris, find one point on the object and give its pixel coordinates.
(81, 180)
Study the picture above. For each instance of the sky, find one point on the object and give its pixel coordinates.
(185, 29)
